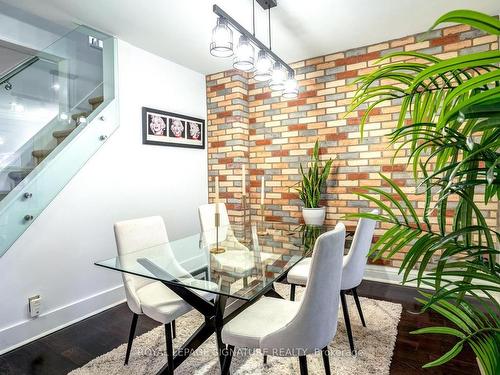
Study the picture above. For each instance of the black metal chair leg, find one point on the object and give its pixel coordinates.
(303, 365)
(326, 361)
(131, 337)
(228, 356)
(292, 292)
(174, 333)
(358, 305)
(265, 359)
(347, 321)
(170, 349)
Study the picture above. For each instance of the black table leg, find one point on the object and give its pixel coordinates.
(220, 305)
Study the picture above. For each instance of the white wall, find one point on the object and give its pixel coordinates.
(124, 179)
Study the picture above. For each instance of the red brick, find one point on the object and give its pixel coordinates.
(357, 59)
(293, 103)
(394, 168)
(357, 176)
(217, 88)
(263, 142)
(225, 160)
(279, 153)
(256, 172)
(336, 136)
(218, 144)
(307, 94)
(224, 114)
(348, 74)
(449, 39)
(353, 121)
(297, 127)
(264, 95)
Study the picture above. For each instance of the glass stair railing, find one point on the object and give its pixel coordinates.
(56, 109)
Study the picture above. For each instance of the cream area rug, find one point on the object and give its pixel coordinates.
(375, 345)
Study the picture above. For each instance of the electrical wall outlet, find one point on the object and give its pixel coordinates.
(34, 305)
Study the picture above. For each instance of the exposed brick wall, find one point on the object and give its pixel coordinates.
(247, 123)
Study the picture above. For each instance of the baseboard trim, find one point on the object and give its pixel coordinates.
(29, 330)
(389, 275)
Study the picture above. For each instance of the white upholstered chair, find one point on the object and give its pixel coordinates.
(237, 259)
(289, 328)
(146, 296)
(354, 265)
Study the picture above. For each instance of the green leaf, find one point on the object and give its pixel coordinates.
(477, 20)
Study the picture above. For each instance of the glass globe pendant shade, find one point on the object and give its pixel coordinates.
(244, 55)
(291, 88)
(263, 66)
(222, 39)
(278, 77)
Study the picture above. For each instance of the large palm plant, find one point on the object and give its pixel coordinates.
(449, 128)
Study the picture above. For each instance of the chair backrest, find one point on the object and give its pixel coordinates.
(315, 324)
(206, 213)
(133, 235)
(355, 261)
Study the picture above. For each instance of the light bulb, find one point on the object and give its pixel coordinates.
(56, 86)
(291, 89)
(278, 77)
(222, 39)
(244, 55)
(263, 66)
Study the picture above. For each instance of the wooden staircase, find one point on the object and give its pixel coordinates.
(61, 135)
(17, 175)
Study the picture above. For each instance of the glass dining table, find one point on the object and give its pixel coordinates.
(235, 264)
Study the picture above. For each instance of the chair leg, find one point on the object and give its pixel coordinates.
(265, 359)
(174, 333)
(347, 321)
(245, 282)
(228, 356)
(358, 305)
(292, 292)
(131, 337)
(326, 361)
(170, 349)
(303, 365)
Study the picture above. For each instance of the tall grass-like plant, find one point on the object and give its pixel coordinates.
(449, 127)
(314, 181)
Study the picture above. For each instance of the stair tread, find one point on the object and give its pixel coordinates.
(63, 133)
(76, 116)
(40, 153)
(96, 100)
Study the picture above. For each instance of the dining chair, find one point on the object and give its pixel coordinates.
(353, 269)
(285, 328)
(236, 259)
(146, 296)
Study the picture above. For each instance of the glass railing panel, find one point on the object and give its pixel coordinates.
(71, 102)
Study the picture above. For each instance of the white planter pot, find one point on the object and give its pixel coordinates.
(314, 216)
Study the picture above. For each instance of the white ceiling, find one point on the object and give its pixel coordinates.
(180, 30)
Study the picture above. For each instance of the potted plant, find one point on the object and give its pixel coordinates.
(311, 186)
(450, 124)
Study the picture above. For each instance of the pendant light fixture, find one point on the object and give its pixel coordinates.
(244, 55)
(268, 66)
(263, 67)
(290, 89)
(278, 77)
(222, 39)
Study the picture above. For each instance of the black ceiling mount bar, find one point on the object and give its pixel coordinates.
(243, 31)
(266, 4)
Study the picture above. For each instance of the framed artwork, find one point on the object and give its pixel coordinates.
(172, 129)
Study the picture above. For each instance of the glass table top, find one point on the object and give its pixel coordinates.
(235, 261)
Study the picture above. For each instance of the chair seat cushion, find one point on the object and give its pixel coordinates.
(235, 261)
(300, 272)
(265, 316)
(162, 304)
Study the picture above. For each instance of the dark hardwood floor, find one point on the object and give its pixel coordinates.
(72, 347)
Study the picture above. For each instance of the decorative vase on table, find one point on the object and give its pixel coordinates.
(314, 216)
(310, 187)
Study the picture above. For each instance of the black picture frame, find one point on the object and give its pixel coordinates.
(162, 128)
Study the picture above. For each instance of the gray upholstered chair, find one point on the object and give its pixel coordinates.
(354, 265)
(289, 328)
(146, 296)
